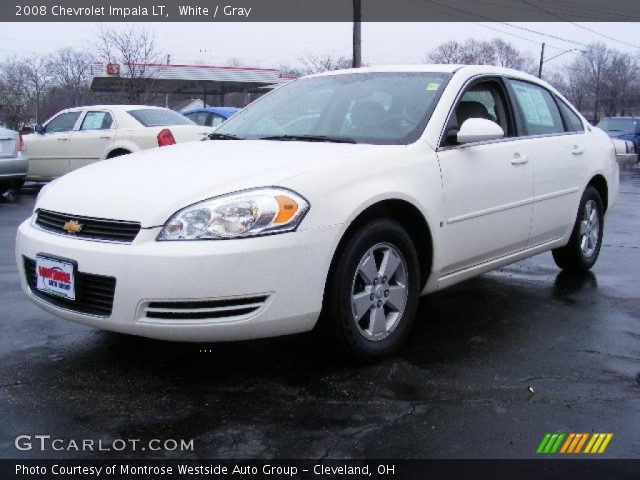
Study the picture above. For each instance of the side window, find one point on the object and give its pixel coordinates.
(571, 120)
(198, 117)
(216, 120)
(482, 100)
(540, 112)
(62, 123)
(96, 121)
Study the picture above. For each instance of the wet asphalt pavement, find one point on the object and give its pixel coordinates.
(459, 388)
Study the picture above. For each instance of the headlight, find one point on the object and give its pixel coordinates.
(244, 214)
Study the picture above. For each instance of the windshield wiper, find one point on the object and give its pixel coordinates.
(310, 138)
(223, 136)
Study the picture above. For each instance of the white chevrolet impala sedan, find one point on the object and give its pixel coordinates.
(333, 202)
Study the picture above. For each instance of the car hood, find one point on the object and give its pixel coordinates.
(149, 186)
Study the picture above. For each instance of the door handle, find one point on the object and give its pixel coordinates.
(63, 139)
(577, 150)
(519, 159)
(106, 137)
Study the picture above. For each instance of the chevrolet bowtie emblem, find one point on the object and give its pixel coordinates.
(72, 227)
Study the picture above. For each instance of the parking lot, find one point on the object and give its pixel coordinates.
(492, 365)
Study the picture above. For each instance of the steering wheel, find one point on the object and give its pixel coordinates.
(398, 118)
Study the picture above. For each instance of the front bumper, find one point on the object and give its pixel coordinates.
(290, 269)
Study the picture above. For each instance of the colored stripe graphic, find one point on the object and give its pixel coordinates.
(568, 443)
(598, 443)
(581, 443)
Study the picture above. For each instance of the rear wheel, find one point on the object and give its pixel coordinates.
(118, 153)
(17, 184)
(372, 293)
(582, 251)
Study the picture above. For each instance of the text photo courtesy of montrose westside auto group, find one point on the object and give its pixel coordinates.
(343, 239)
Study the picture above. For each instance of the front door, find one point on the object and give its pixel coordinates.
(488, 186)
(49, 151)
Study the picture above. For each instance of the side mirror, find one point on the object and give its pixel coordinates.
(479, 130)
(39, 129)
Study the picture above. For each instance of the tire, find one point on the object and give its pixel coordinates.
(369, 318)
(118, 153)
(17, 184)
(582, 251)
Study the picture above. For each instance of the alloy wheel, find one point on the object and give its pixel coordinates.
(589, 228)
(379, 291)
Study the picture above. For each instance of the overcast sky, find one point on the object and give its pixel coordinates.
(273, 44)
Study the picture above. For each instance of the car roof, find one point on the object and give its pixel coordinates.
(434, 68)
(220, 110)
(112, 107)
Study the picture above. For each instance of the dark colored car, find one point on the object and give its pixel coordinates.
(624, 128)
(210, 116)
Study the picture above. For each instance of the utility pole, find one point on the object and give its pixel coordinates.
(357, 34)
(541, 61)
(166, 97)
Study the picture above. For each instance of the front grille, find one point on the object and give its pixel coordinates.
(204, 309)
(91, 228)
(94, 293)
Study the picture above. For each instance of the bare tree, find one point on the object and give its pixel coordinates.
(621, 81)
(235, 62)
(593, 65)
(70, 70)
(37, 75)
(476, 52)
(289, 71)
(134, 48)
(449, 52)
(315, 63)
(471, 52)
(13, 93)
(508, 56)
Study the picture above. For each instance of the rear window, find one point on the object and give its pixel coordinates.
(540, 112)
(159, 117)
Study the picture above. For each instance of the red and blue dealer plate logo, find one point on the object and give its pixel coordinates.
(55, 277)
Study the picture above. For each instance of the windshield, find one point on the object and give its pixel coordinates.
(376, 108)
(618, 125)
(159, 117)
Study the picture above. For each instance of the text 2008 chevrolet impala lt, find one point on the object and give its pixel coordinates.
(335, 200)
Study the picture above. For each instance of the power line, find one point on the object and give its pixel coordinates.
(537, 42)
(605, 36)
(555, 37)
(581, 26)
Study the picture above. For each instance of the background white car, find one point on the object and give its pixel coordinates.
(77, 137)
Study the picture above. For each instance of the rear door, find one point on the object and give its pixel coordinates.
(91, 140)
(556, 145)
(488, 186)
(49, 151)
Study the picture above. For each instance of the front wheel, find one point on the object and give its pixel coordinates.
(372, 292)
(582, 251)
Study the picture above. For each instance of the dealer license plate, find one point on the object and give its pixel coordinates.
(55, 277)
